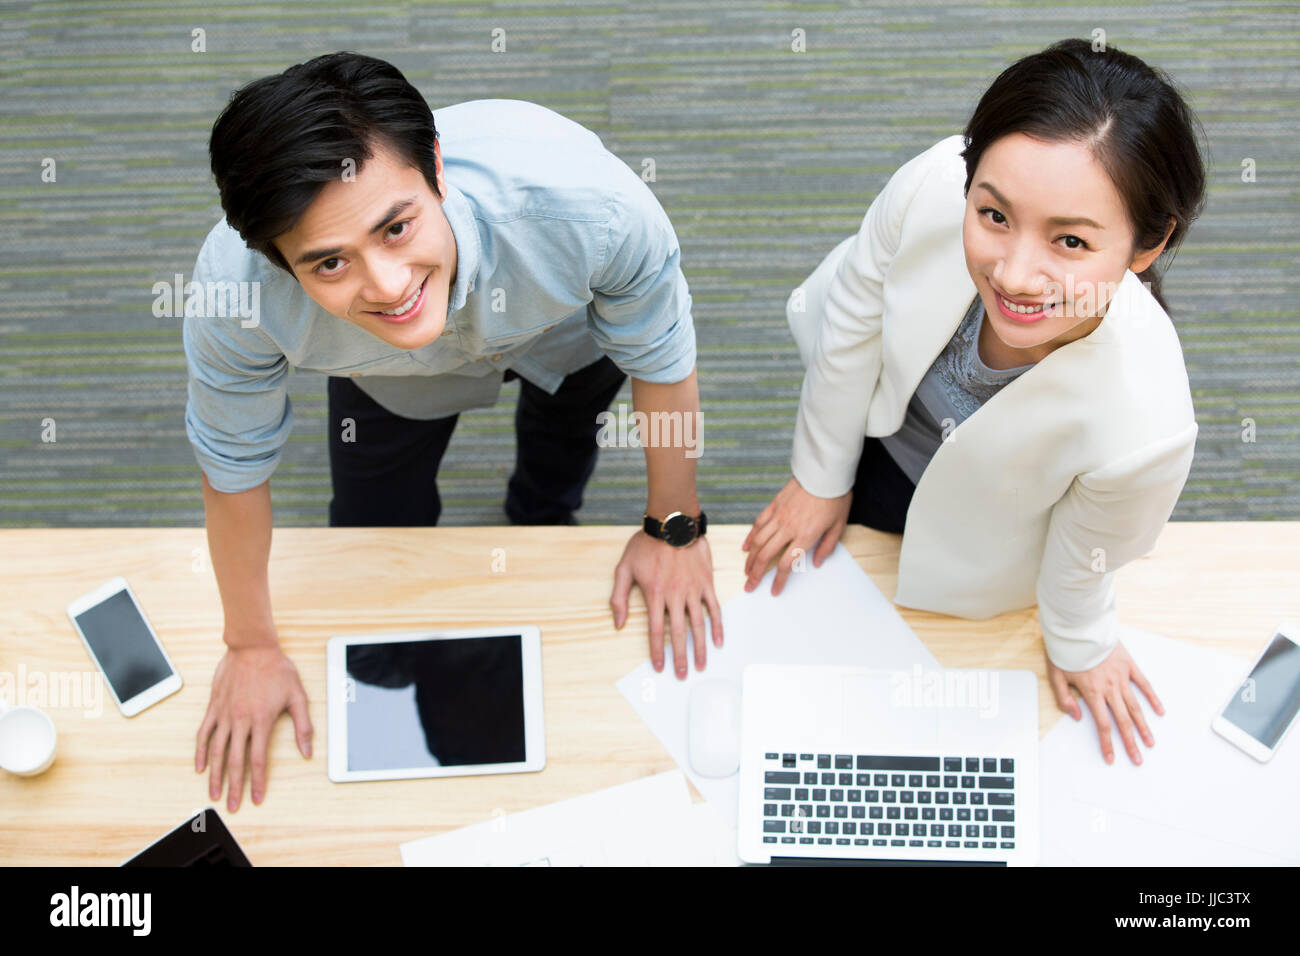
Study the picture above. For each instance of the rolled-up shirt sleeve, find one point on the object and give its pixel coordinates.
(1106, 519)
(238, 414)
(641, 306)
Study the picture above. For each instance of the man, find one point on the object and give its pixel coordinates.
(419, 282)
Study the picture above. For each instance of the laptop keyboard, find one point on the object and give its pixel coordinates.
(964, 803)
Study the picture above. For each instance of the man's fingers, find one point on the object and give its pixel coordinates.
(257, 760)
(715, 615)
(217, 760)
(301, 716)
(698, 634)
(677, 620)
(238, 744)
(201, 740)
(622, 589)
(655, 608)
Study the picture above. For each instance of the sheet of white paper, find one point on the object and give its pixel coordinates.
(647, 822)
(714, 841)
(834, 614)
(1195, 799)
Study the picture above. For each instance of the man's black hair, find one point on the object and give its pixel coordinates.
(280, 139)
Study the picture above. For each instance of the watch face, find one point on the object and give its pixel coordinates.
(679, 530)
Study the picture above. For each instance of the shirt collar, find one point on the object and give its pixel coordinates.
(469, 252)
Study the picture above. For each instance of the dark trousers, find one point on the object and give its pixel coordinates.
(388, 474)
(881, 490)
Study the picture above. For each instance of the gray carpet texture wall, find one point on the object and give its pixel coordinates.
(765, 156)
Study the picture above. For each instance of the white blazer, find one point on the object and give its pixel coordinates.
(1065, 475)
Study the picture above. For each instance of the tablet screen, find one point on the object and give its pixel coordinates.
(435, 703)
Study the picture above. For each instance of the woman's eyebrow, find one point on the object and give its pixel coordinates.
(1055, 220)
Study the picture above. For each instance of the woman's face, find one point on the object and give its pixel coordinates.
(1046, 229)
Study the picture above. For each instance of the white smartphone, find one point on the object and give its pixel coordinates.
(1264, 705)
(124, 646)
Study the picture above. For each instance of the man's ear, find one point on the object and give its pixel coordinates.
(1144, 259)
(442, 181)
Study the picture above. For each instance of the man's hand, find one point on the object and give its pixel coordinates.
(251, 687)
(1108, 684)
(796, 518)
(676, 580)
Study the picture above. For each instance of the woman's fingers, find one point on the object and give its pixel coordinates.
(1097, 704)
(1139, 719)
(771, 541)
(1119, 708)
(1145, 686)
(1064, 699)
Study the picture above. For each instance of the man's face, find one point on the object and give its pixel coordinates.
(1023, 241)
(378, 244)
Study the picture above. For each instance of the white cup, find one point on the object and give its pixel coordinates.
(28, 740)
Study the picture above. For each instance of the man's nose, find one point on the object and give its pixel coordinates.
(389, 284)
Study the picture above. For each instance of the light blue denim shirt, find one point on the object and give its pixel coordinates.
(545, 220)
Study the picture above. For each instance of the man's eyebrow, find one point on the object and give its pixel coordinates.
(314, 255)
(1055, 220)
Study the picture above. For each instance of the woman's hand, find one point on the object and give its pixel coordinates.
(1108, 684)
(796, 518)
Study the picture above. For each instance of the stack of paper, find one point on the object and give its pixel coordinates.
(648, 822)
(834, 614)
(1195, 800)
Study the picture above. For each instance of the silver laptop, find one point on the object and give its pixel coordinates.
(923, 766)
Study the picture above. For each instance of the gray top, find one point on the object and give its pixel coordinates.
(954, 388)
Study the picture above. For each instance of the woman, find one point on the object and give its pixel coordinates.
(996, 331)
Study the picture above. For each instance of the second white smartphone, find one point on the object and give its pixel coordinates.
(124, 646)
(1264, 705)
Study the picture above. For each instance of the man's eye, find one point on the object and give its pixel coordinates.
(404, 222)
(320, 269)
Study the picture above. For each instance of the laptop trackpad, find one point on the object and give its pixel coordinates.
(880, 711)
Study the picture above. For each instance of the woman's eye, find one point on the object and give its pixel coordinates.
(1081, 243)
(999, 221)
(320, 269)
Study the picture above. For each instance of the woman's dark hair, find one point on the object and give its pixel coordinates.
(1129, 115)
(280, 139)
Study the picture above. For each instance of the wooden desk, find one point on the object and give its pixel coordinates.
(118, 783)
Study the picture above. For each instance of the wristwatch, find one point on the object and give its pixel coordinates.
(677, 529)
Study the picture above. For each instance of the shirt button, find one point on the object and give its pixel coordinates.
(497, 357)
(354, 374)
(445, 332)
(548, 328)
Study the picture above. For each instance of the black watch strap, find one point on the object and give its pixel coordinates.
(677, 529)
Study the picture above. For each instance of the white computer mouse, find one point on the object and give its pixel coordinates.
(713, 728)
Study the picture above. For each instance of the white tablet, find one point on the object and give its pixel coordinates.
(435, 704)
